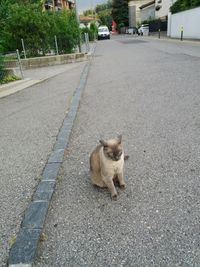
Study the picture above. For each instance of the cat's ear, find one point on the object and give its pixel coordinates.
(119, 139)
(103, 143)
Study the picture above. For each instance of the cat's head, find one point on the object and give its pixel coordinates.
(113, 148)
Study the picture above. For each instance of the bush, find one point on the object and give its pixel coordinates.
(92, 31)
(64, 25)
(182, 5)
(38, 28)
(9, 78)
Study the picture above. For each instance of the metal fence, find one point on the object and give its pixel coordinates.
(11, 64)
(12, 59)
(158, 24)
(54, 47)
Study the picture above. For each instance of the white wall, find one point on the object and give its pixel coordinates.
(165, 6)
(189, 20)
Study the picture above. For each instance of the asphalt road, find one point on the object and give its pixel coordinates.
(29, 123)
(148, 91)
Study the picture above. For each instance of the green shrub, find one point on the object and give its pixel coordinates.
(9, 78)
(91, 32)
(64, 25)
(37, 28)
(182, 5)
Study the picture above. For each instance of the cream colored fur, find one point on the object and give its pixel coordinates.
(104, 170)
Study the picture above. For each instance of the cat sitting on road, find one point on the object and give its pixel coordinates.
(107, 163)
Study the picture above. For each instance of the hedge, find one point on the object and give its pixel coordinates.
(182, 5)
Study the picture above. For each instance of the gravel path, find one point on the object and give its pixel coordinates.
(151, 96)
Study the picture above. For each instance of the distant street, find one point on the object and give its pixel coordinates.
(147, 90)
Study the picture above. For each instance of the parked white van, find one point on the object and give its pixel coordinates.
(103, 32)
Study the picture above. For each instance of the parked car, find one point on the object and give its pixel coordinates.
(143, 29)
(132, 30)
(103, 32)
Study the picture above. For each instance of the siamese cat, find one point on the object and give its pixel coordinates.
(107, 163)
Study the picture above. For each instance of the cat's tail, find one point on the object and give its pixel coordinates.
(126, 157)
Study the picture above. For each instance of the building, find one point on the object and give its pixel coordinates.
(135, 11)
(162, 8)
(140, 10)
(58, 4)
(147, 11)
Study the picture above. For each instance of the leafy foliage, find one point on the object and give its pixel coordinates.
(24, 19)
(88, 12)
(92, 31)
(103, 7)
(104, 14)
(9, 78)
(120, 12)
(105, 18)
(65, 27)
(182, 5)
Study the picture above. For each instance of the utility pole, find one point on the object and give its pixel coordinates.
(93, 11)
(78, 21)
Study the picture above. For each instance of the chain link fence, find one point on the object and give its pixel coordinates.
(11, 63)
(57, 46)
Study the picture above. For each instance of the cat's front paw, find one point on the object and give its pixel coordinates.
(114, 197)
(122, 186)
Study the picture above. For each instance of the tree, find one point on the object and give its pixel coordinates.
(104, 14)
(103, 7)
(67, 30)
(26, 20)
(88, 12)
(105, 18)
(120, 12)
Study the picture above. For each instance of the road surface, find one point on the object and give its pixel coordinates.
(148, 91)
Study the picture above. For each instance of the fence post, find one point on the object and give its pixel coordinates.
(22, 40)
(181, 33)
(56, 43)
(88, 44)
(20, 63)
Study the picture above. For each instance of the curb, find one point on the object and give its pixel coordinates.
(175, 40)
(24, 250)
(14, 87)
(23, 84)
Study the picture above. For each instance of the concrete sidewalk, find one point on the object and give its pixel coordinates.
(38, 75)
(35, 76)
(164, 37)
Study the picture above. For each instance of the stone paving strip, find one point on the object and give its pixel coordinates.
(23, 251)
